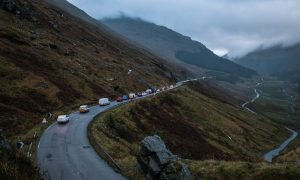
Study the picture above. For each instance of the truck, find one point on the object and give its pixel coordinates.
(104, 102)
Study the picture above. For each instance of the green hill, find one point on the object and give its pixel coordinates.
(198, 122)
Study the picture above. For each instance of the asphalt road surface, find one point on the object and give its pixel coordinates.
(269, 156)
(64, 151)
(257, 95)
(275, 152)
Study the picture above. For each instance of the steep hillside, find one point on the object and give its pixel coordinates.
(51, 60)
(175, 47)
(279, 61)
(199, 121)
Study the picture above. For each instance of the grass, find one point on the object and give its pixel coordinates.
(36, 79)
(291, 154)
(222, 170)
(195, 123)
(276, 103)
(15, 166)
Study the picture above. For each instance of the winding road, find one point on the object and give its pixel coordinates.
(275, 152)
(64, 151)
(269, 156)
(257, 95)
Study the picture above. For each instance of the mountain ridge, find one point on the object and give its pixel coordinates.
(173, 46)
(278, 61)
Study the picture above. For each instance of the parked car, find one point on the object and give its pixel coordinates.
(153, 89)
(104, 102)
(139, 94)
(158, 90)
(125, 98)
(149, 91)
(63, 119)
(132, 96)
(119, 99)
(84, 109)
(144, 94)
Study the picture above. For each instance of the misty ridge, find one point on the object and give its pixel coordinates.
(261, 23)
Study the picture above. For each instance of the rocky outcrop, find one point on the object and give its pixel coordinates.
(3, 142)
(158, 162)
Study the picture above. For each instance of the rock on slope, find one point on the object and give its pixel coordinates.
(158, 162)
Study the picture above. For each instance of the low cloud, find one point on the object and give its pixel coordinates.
(228, 25)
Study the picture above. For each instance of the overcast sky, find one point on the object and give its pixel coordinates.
(233, 26)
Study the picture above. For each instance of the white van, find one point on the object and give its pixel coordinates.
(104, 101)
(62, 119)
(132, 96)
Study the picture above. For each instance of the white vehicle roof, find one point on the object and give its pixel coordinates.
(84, 106)
(62, 116)
(103, 99)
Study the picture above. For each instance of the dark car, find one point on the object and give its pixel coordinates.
(125, 98)
(153, 90)
(139, 95)
(119, 99)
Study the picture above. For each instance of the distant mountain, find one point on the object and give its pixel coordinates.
(175, 47)
(278, 61)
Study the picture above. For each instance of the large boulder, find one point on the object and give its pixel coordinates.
(158, 162)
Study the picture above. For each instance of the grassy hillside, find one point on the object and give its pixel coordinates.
(175, 47)
(14, 167)
(222, 170)
(198, 122)
(50, 60)
(279, 101)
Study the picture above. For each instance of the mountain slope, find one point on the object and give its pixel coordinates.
(279, 61)
(173, 46)
(51, 60)
(199, 121)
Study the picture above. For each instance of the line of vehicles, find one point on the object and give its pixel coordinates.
(63, 119)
